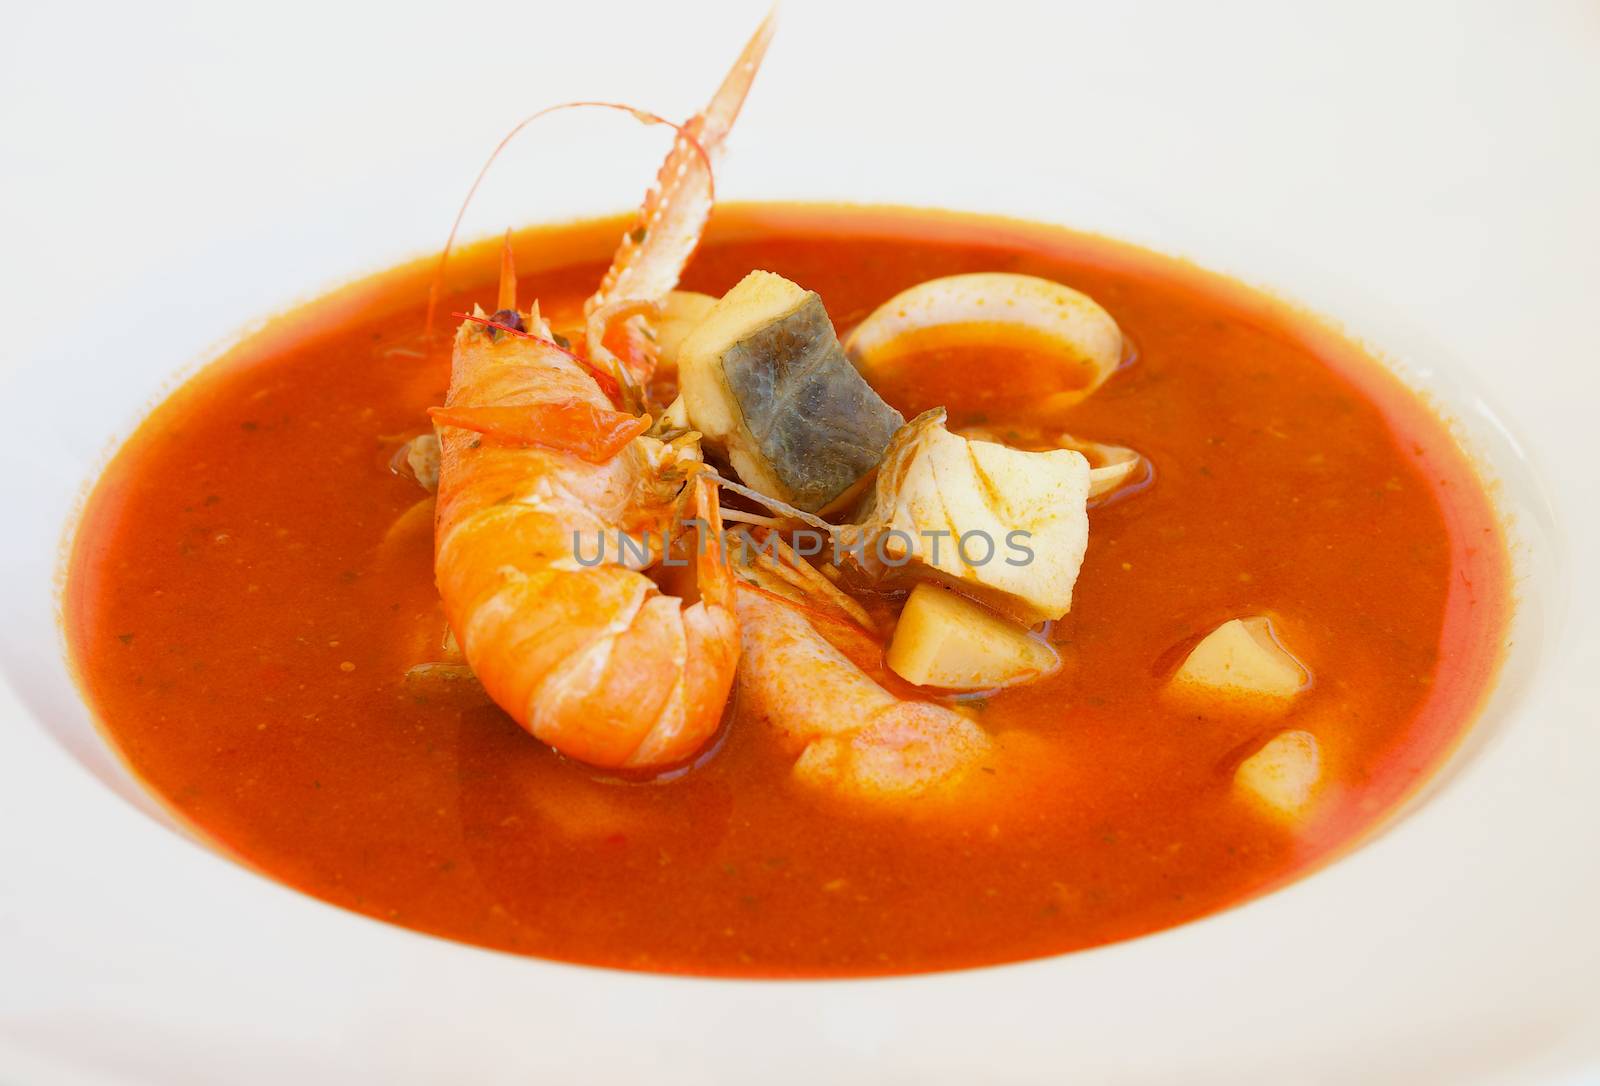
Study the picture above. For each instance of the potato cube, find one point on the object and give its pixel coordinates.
(944, 639)
(1281, 776)
(1242, 661)
(682, 310)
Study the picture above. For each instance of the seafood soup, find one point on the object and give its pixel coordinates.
(799, 590)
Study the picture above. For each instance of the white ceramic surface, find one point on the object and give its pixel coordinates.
(1424, 174)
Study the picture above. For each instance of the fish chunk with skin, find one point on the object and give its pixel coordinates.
(765, 382)
(943, 639)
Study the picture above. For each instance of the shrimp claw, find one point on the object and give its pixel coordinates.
(656, 247)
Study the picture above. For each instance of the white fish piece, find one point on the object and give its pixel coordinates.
(1110, 466)
(1008, 527)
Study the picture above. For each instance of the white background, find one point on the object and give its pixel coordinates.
(168, 172)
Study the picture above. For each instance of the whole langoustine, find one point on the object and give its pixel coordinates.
(595, 660)
(536, 457)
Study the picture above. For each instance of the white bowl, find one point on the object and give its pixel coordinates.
(1457, 944)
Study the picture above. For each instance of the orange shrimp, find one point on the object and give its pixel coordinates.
(803, 647)
(595, 660)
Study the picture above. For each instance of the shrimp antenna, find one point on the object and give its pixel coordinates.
(699, 137)
(772, 503)
(643, 116)
(508, 277)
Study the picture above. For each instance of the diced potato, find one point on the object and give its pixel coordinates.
(767, 384)
(1242, 661)
(945, 640)
(682, 310)
(1281, 777)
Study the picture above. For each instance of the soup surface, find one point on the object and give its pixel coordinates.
(247, 591)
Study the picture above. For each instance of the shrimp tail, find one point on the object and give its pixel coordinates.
(711, 630)
(679, 661)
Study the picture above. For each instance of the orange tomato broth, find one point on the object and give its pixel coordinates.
(240, 624)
